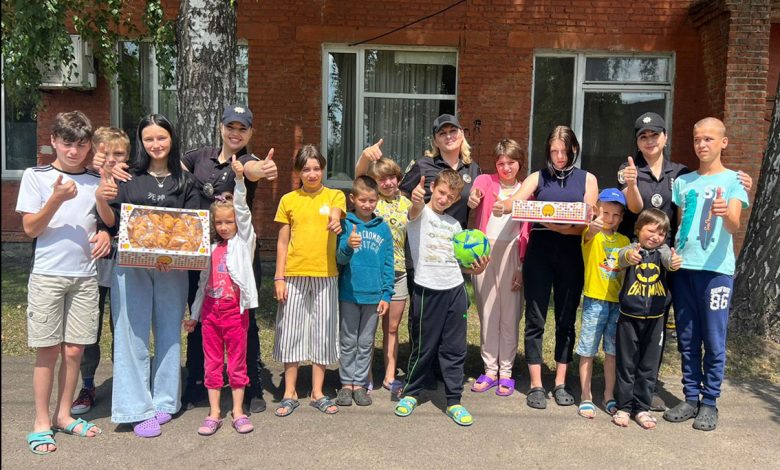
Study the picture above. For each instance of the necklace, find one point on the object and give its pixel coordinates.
(160, 183)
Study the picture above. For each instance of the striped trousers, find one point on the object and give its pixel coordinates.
(307, 325)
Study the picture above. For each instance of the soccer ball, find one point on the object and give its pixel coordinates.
(469, 245)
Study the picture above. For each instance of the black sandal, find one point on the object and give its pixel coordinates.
(682, 412)
(706, 419)
(563, 396)
(537, 398)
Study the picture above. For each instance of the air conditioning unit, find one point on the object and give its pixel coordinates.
(82, 75)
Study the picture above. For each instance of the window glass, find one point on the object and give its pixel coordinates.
(553, 99)
(410, 72)
(341, 116)
(20, 141)
(608, 129)
(627, 69)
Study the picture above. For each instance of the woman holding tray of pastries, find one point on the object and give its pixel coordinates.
(553, 262)
(150, 299)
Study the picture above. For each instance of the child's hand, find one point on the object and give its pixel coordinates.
(189, 325)
(382, 308)
(107, 189)
(517, 280)
(745, 180)
(101, 244)
(479, 265)
(676, 261)
(475, 197)
(354, 240)
(238, 167)
(280, 289)
(99, 159)
(596, 225)
(633, 255)
(334, 221)
(720, 206)
(64, 191)
(499, 207)
(374, 152)
(418, 193)
(268, 166)
(630, 173)
(119, 171)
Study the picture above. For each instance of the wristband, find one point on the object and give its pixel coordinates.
(279, 278)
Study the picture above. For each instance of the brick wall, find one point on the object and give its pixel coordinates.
(496, 41)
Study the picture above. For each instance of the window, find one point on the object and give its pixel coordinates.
(145, 94)
(19, 140)
(599, 97)
(373, 93)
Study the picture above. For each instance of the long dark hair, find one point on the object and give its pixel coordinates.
(142, 158)
(565, 135)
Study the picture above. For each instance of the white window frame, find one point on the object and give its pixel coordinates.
(360, 71)
(581, 87)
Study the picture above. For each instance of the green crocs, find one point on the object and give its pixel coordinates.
(405, 406)
(460, 415)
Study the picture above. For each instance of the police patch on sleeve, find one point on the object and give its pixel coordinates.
(621, 178)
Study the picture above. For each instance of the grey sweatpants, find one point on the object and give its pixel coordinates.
(357, 330)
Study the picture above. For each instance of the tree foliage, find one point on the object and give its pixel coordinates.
(36, 37)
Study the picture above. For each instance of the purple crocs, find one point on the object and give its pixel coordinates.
(148, 428)
(162, 417)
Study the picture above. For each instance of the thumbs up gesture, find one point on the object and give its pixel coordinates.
(418, 193)
(268, 166)
(499, 207)
(63, 191)
(373, 152)
(633, 255)
(675, 261)
(720, 206)
(475, 197)
(630, 173)
(597, 224)
(238, 167)
(354, 240)
(107, 189)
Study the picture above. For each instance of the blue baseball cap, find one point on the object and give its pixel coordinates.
(237, 113)
(612, 195)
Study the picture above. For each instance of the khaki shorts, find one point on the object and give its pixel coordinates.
(401, 290)
(61, 309)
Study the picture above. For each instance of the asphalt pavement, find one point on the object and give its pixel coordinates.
(506, 433)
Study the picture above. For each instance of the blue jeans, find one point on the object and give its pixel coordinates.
(143, 300)
(599, 318)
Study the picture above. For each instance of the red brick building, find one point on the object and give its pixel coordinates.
(328, 73)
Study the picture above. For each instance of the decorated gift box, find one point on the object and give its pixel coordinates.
(151, 235)
(551, 212)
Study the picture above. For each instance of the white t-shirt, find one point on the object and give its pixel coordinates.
(63, 248)
(430, 241)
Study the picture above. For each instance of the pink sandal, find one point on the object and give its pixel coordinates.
(209, 426)
(242, 425)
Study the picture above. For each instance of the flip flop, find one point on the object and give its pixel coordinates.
(621, 418)
(645, 420)
(587, 409)
(460, 415)
(505, 383)
(209, 426)
(286, 407)
(325, 404)
(482, 379)
(610, 406)
(242, 425)
(36, 439)
(405, 406)
(69, 429)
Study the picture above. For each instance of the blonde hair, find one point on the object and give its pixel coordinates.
(384, 168)
(111, 136)
(222, 201)
(465, 150)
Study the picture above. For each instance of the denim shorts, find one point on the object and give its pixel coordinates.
(599, 318)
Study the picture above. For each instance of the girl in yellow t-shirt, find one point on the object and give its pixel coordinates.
(306, 280)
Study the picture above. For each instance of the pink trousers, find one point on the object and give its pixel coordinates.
(224, 329)
(500, 308)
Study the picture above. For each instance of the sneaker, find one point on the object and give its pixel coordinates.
(84, 402)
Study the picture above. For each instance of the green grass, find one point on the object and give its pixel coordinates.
(748, 358)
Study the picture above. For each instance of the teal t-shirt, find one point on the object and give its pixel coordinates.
(702, 240)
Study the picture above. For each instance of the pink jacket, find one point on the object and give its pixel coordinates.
(490, 185)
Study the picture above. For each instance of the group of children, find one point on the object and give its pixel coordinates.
(338, 273)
